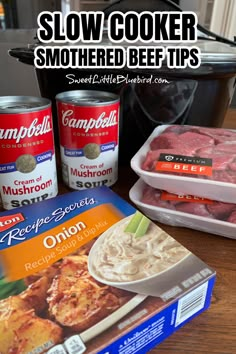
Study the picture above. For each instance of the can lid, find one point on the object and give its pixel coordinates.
(22, 104)
(87, 97)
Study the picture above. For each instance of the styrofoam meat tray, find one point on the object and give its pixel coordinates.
(198, 185)
(181, 219)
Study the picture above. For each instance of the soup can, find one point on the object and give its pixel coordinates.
(89, 134)
(27, 154)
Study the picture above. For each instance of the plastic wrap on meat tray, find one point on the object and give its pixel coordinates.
(189, 159)
(216, 145)
(185, 210)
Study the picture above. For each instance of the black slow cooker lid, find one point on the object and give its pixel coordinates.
(216, 57)
(211, 50)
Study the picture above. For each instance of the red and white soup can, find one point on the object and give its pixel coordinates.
(27, 155)
(89, 133)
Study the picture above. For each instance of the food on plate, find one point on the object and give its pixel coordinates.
(35, 333)
(49, 272)
(189, 204)
(36, 293)
(133, 249)
(21, 329)
(60, 300)
(75, 299)
(215, 144)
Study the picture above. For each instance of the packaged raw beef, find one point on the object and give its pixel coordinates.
(185, 210)
(190, 160)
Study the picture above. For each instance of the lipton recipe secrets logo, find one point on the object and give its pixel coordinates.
(6, 222)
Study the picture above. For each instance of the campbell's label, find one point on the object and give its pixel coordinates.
(89, 144)
(27, 158)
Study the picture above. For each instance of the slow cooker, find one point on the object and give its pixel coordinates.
(178, 96)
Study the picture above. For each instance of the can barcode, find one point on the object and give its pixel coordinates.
(191, 304)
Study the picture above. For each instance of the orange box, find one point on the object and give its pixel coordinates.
(87, 273)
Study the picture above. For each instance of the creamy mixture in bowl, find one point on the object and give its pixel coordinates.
(122, 256)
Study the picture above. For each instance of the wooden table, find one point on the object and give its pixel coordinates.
(214, 331)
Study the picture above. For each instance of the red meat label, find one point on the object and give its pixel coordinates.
(184, 198)
(184, 164)
(6, 222)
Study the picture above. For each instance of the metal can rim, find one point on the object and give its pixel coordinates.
(24, 100)
(65, 96)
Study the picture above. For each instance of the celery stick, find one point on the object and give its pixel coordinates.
(134, 222)
(142, 227)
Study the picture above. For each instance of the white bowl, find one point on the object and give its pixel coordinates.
(154, 285)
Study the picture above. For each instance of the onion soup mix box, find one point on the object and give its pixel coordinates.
(85, 272)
